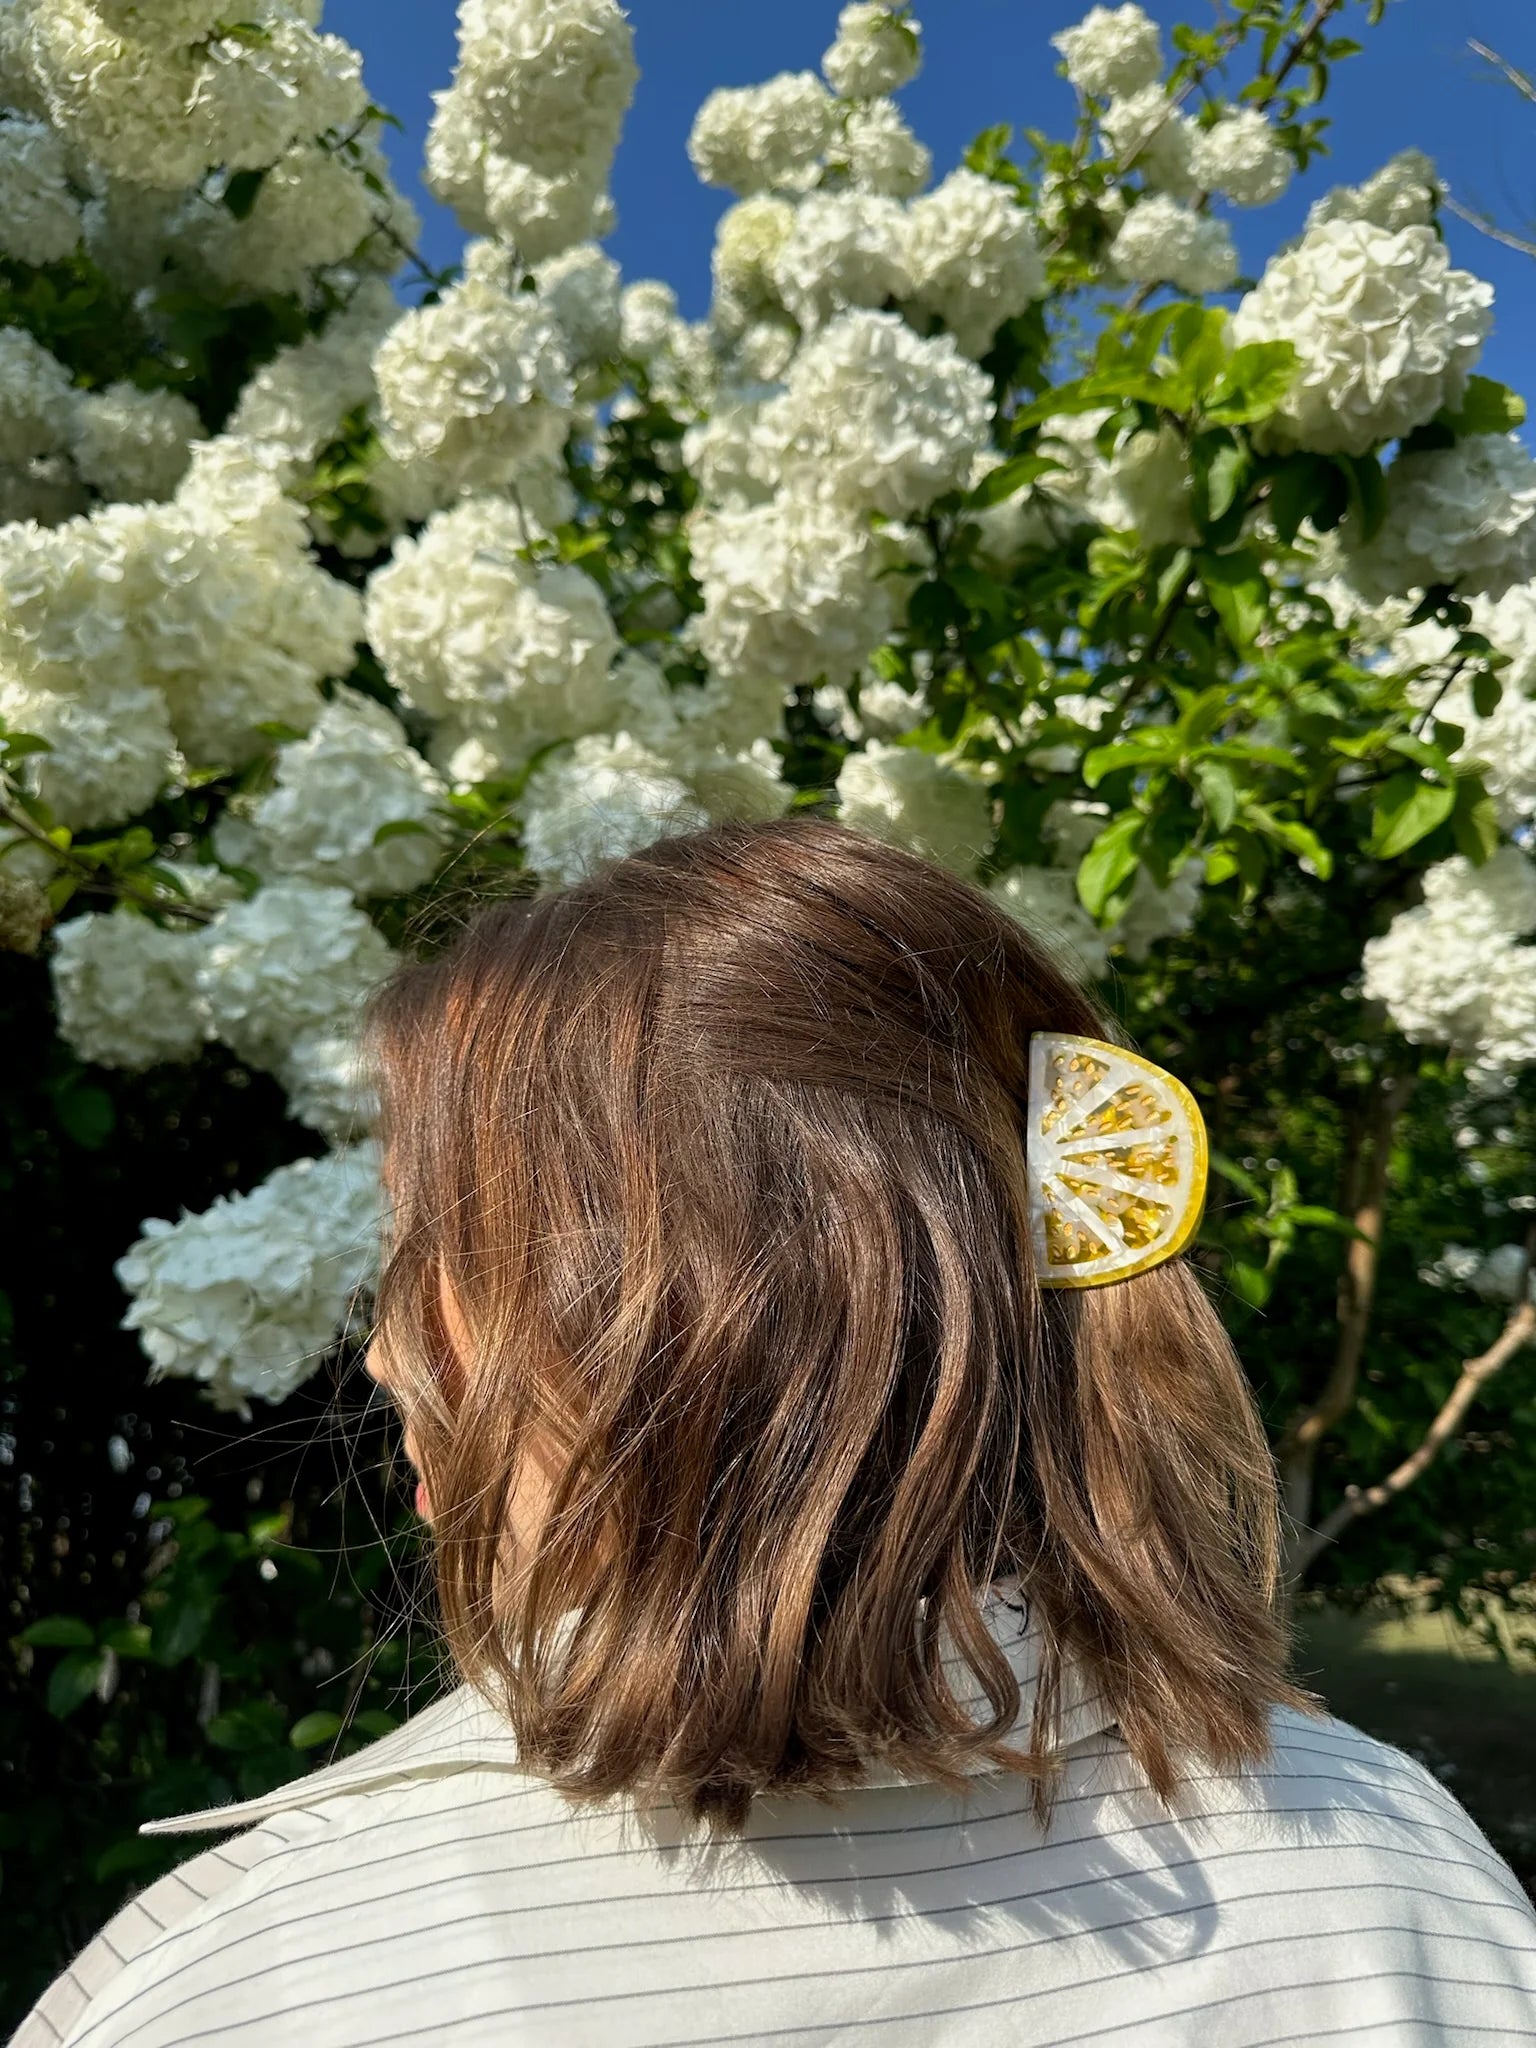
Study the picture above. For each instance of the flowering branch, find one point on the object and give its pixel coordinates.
(1475, 1375)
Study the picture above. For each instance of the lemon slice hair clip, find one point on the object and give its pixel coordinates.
(1118, 1161)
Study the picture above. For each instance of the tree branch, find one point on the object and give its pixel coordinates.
(92, 877)
(1488, 227)
(1475, 1375)
(1365, 1198)
(1523, 83)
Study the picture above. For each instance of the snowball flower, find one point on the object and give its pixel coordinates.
(328, 1085)
(296, 958)
(40, 218)
(1146, 133)
(250, 1296)
(547, 81)
(109, 753)
(1242, 158)
(914, 800)
(581, 289)
(748, 242)
(1464, 515)
(1147, 487)
(1450, 969)
(1045, 902)
(843, 249)
(878, 49)
(647, 311)
(1404, 193)
(1111, 50)
(607, 797)
(315, 208)
(1385, 328)
(879, 417)
(334, 791)
(1161, 241)
(35, 398)
(126, 990)
(974, 259)
(295, 403)
(516, 650)
(764, 138)
(478, 385)
(792, 589)
(132, 444)
(881, 152)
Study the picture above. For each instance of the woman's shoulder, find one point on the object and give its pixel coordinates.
(285, 1839)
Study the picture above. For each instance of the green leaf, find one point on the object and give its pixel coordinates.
(127, 1638)
(59, 1632)
(1239, 593)
(1009, 477)
(1407, 809)
(19, 744)
(375, 1722)
(1224, 478)
(400, 828)
(310, 1730)
(1110, 862)
(1306, 487)
(1367, 488)
(1250, 1283)
(1487, 692)
(1155, 743)
(1487, 407)
(73, 1680)
(241, 193)
(1475, 822)
(1256, 379)
(275, 729)
(1218, 787)
(87, 1114)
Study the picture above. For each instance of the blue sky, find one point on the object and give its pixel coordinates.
(988, 61)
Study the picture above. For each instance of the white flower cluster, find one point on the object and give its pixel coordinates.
(352, 777)
(878, 50)
(1385, 328)
(879, 152)
(1112, 50)
(1046, 902)
(476, 387)
(510, 653)
(1464, 515)
(40, 216)
(1404, 193)
(877, 418)
(1241, 157)
(156, 99)
(126, 991)
(251, 1296)
(764, 138)
(131, 444)
(1162, 241)
(522, 143)
(973, 259)
(1147, 134)
(918, 801)
(1453, 971)
(608, 796)
(147, 628)
(297, 958)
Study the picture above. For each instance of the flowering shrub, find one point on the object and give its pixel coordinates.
(331, 587)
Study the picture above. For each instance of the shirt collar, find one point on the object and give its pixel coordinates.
(464, 1732)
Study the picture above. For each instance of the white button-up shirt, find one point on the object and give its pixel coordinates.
(429, 1890)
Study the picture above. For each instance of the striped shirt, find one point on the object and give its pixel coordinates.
(427, 1890)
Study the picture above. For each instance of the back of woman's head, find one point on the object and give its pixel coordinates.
(720, 1159)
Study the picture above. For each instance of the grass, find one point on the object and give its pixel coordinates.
(1427, 1686)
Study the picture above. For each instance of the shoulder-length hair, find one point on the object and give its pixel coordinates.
(721, 1153)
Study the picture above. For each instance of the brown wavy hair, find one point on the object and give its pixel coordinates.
(721, 1155)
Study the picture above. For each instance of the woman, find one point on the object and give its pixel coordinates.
(853, 1533)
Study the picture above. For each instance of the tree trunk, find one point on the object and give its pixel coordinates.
(1365, 1193)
